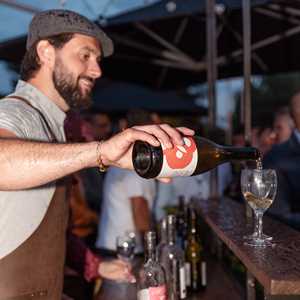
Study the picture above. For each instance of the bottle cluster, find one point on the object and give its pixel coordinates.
(176, 266)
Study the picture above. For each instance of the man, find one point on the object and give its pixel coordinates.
(285, 159)
(127, 200)
(263, 134)
(58, 72)
(127, 204)
(283, 125)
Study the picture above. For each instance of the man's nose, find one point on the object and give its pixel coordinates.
(95, 70)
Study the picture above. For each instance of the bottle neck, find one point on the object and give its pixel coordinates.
(192, 233)
(163, 235)
(150, 243)
(150, 253)
(240, 153)
(171, 234)
(192, 230)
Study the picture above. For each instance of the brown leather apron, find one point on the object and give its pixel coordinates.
(35, 269)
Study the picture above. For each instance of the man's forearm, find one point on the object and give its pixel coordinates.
(27, 164)
(141, 213)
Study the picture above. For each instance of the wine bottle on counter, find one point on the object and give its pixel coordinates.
(196, 156)
(163, 238)
(181, 223)
(172, 260)
(195, 263)
(151, 280)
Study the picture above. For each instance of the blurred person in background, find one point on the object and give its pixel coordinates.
(263, 135)
(127, 200)
(83, 219)
(155, 117)
(122, 124)
(285, 159)
(283, 125)
(101, 125)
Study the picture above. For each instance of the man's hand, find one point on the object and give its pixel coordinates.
(117, 150)
(116, 270)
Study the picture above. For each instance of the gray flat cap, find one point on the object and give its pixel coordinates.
(57, 21)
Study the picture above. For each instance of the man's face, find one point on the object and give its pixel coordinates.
(76, 69)
(282, 127)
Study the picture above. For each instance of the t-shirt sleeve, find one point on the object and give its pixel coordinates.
(16, 117)
(135, 185)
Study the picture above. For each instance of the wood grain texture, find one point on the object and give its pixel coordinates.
(276, 268)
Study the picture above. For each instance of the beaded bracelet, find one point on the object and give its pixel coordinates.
(102, 167)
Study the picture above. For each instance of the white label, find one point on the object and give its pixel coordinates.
(153, 293)
(143, 294)
(180, 160)
(182, 283)
(188, 279)
(203, 274)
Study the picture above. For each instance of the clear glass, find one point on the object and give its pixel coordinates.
(125, 247)
(259, 190)
(151, 279)
(172, 260)
(133, 235)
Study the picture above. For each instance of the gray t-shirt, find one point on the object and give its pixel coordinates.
(22, 211)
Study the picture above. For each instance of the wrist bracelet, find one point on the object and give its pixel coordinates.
(101, 166)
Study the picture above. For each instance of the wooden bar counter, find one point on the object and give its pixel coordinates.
(276, 268)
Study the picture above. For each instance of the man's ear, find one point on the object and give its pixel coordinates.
(46, 53)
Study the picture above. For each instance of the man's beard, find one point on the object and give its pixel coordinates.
(69, 88)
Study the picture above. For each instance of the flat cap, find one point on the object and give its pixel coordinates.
(57, 21)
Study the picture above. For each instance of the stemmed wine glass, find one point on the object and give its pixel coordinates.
(259, 189)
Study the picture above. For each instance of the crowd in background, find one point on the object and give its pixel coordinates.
(105, 205)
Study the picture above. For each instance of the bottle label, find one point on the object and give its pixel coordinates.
(180, 160)
(153, 293)
(182, 283)
(188, 279)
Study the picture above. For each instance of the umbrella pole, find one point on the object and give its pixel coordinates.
(247, 95)
(247, 70)
(211, 63)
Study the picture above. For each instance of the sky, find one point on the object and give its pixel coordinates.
(14, 22)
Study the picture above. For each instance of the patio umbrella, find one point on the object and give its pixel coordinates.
(163, 46)
(118, 97)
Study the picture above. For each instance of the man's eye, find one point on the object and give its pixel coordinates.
(85, 57)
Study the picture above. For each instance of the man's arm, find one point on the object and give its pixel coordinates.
(26, 164)
(141, 213)
(88, 264)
